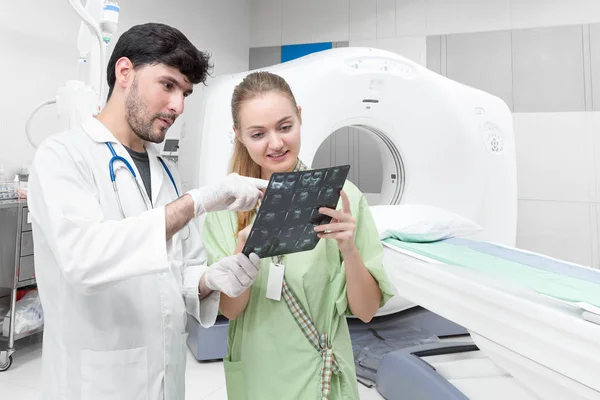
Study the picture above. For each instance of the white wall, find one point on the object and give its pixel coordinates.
(39, 54)
(401, 25)
(558, 157)
(277, 22)
(558, 153)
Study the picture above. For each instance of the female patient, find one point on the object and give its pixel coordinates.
(272, 352)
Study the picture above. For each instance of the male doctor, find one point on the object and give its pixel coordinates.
(117, 270)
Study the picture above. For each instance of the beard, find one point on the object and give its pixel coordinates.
(139, 121)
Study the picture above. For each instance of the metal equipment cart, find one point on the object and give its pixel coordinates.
(16, 268)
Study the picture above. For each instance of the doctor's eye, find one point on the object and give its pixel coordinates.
(256, 135)
(286, 128)
(168, 85)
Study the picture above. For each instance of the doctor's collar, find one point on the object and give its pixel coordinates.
(98, 131)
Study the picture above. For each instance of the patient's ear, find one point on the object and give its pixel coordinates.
(237, 134)
(300, 113)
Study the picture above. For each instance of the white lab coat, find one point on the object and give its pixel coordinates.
(114, 291)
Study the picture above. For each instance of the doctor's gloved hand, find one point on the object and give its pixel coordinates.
(233, 275)
(234, 193)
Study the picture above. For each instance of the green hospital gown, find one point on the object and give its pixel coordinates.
(268, 355)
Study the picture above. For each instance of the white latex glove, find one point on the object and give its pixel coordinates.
(233, 275)
(234, 193)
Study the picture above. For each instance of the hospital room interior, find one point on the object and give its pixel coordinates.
(471, 128)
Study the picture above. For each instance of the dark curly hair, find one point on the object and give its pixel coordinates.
(155, 43)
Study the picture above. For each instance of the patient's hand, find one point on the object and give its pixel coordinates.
(243, 235)
(341, 227)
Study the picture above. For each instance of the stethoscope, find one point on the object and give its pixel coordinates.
(128, 166)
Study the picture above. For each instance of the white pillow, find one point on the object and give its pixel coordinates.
(420, 223)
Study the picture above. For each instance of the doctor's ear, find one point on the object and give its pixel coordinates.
(123, 71)
(300, 113)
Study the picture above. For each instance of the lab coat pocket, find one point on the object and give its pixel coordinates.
(115, 374)
(234, 376)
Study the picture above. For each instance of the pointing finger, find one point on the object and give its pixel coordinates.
(259, 183)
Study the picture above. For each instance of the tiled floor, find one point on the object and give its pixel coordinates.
(204, 381)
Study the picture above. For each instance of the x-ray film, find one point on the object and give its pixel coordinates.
(290, 211)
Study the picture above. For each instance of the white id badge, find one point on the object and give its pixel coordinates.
(275, 282)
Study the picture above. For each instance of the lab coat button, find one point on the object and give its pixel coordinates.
(168, 319)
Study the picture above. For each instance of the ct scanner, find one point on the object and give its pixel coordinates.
(447, 145)
(442, 143)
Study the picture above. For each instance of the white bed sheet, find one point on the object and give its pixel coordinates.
(544, 344)
(457, 368)
(398, 303)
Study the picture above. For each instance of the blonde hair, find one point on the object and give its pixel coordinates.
(253, 85)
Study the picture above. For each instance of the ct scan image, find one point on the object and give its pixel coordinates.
(290, 210)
